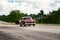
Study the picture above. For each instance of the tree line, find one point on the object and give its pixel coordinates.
(53, 17)
(13, 16)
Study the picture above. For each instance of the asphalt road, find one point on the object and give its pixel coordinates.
(39, 32)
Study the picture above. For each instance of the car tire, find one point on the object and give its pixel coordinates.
(29, 25)
(33, 24)
(20, 24)
(24, 25)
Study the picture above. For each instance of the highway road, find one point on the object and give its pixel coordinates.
(38, 32)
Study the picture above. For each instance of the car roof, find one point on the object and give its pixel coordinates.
(27, 17)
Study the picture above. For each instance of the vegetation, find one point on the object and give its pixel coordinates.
(13, 16)
(52, 17)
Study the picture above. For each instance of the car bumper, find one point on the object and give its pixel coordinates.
(30, 23)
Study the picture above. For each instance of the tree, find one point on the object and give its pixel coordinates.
(54, 17)
(42, 13)
(39, 15)
(14, 15)
(3, 17)
(34, 16)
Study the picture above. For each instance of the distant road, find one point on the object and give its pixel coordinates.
(39, 32)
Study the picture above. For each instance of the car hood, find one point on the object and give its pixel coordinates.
(28, 20)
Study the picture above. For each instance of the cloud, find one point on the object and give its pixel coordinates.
(28, 6)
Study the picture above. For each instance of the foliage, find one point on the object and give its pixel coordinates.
(3, 18)
(52, 17)
(13, 16)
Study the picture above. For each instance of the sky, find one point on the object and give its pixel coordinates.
(28, 6)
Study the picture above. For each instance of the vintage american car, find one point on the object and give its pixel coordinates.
(27, 21)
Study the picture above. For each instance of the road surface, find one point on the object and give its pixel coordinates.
(39, 32)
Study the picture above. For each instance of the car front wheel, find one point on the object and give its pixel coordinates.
(33, 24)
(24, 25)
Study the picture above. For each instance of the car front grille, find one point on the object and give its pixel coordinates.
(29, 22)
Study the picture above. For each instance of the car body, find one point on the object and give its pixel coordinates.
(27, 21)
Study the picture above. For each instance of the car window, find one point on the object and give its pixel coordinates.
(26, 18)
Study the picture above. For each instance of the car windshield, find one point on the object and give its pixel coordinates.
(26, 18)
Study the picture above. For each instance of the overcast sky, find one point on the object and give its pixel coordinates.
(28, 6)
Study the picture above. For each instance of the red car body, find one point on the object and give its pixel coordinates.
(27, 21)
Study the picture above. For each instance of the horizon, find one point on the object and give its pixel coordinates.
(28, 6)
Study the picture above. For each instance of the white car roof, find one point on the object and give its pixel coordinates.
(27, 17)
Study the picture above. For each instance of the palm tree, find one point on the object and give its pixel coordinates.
(42, 13)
